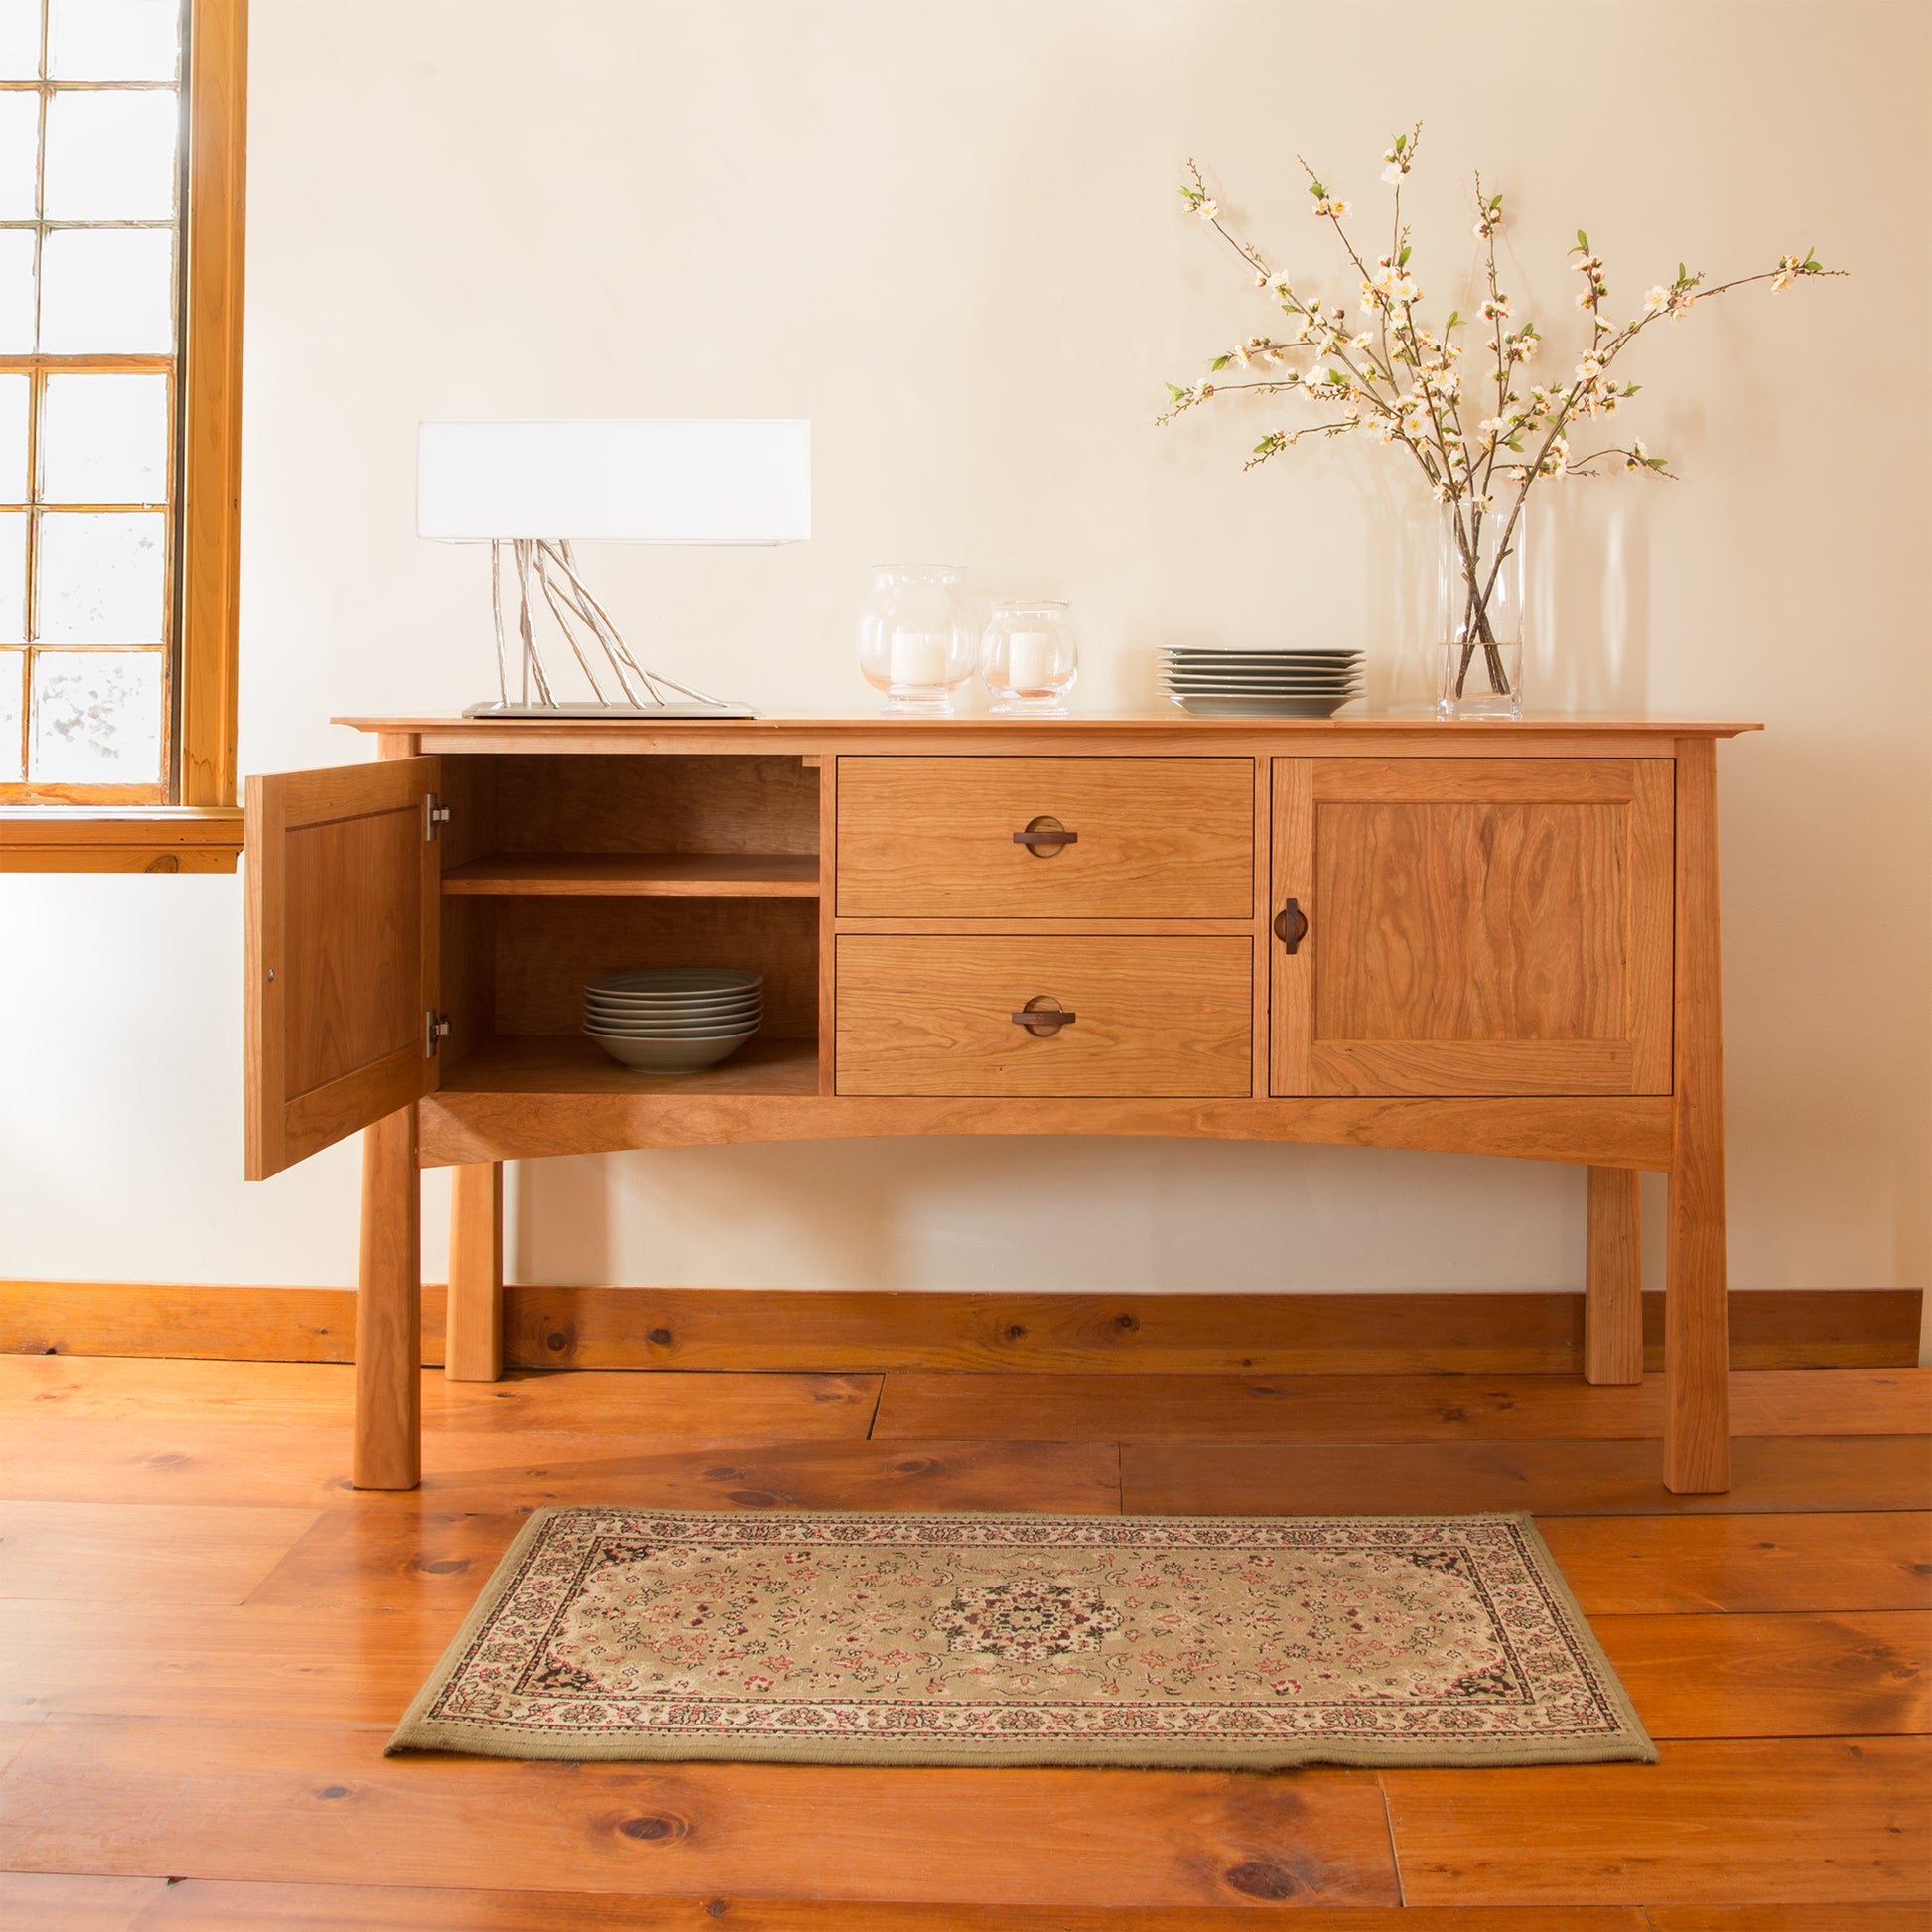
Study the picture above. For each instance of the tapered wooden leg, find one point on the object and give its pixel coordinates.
(472, 1344)
(1613, 1279)
(388, 1310)
(1697, 1320)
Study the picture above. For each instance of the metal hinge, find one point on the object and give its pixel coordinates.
(435, 1026)
(433, 815)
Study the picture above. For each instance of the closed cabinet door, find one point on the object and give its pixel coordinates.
(1472, 926)
(340, 983)
(1046, 838)
(1026, 1018)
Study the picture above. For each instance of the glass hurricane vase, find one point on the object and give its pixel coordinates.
(918, 642)
(1481, 625)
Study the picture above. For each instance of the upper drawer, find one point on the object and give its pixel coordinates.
(1155, 838)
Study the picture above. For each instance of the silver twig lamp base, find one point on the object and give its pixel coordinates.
(547, 569)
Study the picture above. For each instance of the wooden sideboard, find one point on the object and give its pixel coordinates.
(1491, 938)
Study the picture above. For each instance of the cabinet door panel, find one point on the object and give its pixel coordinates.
(1475, 926)
(1156, 838)
(341, 954)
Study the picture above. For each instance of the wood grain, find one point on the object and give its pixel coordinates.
(1482, 925)
(769, 1328)
(37, 1902)
(342, 926)
(1152, 1015)
(1557, 1479)
(1612, 1279)
(305, 1804)
(114, 1553)
(653, 875)
(1787, 1918)
(210, 401)
(389, 1308)
(1697, 1268)
(1779, 1820)
(1846, 1674)
(1159, 838)
(474, 1321)
(1150, 1408)
(1650, 1566)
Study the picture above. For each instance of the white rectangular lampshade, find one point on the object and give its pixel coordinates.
(662, 481)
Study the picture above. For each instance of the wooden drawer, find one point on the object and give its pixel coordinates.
(1158, 838)
(933, 1015)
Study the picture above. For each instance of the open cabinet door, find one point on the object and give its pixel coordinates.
(341, 969)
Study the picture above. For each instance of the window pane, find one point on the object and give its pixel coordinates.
(13, 669)
(20, 40)
(13, 576)
(110, 157)
(105, 438)
(96, 718)
(13, 439)
(16, 292)
(20, 140)
(112, 40)
(101, 579)
(107, 290)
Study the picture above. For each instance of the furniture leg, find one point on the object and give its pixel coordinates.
(473, 1342)
(1613, 1280)
(389, 1308)
(1697, 1325)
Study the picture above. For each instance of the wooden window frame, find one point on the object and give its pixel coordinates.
(200, 829)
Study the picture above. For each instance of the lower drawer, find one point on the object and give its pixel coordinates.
(934, 1014)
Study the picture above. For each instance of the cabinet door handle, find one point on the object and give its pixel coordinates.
(1043, 1021)
(1044, 836)
(1290, 926)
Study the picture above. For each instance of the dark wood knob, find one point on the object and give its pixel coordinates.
(1290, 926)
(1044, 836)
(1042, 1017)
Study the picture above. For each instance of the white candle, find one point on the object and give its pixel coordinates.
(1030, 660)
(918, 657)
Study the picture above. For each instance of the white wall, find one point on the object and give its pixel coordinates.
(946, 231)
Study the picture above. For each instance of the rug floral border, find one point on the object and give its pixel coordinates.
(449, 1714)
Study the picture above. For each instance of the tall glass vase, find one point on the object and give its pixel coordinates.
(1481, 625)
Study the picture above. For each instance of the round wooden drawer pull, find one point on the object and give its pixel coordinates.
(1044, 837)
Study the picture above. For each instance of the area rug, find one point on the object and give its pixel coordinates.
(830, 1638)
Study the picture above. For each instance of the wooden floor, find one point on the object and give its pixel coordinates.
(208, 1637)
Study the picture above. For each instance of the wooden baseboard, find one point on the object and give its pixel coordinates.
(822, 1328)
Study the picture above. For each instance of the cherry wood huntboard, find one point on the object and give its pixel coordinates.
(1490, 939)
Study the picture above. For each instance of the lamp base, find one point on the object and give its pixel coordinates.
(578, 712)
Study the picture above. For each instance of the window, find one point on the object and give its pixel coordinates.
(120, 170)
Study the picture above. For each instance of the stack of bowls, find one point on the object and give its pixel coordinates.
(1279, 683)
(672, 1018)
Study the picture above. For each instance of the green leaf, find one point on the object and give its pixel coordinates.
(1175, 391)
(1220, 361)
(1402, 260)
(1454, 318)
(1317, 190)
(1583, 242)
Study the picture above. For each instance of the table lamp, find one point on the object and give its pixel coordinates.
(534, 488)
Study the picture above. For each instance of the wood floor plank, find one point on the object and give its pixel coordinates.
(1782, 1820)
(307, 1805)
(13, 1736)
(1654, 1566)
(183, 1461)
(110, 1553)
(218, 1665)
(1566, 1478)
(789, 1407)
(1383, 1408)
(1851, 1674)
(34, 1903)
(1787, 1918)
(362, 1560)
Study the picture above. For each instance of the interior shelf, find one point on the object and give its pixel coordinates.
(570, 1063)
(619, 875)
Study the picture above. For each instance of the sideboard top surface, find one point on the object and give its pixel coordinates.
(786, 732)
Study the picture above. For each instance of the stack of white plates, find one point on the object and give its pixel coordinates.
(1263, 683)
(672, 1018)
